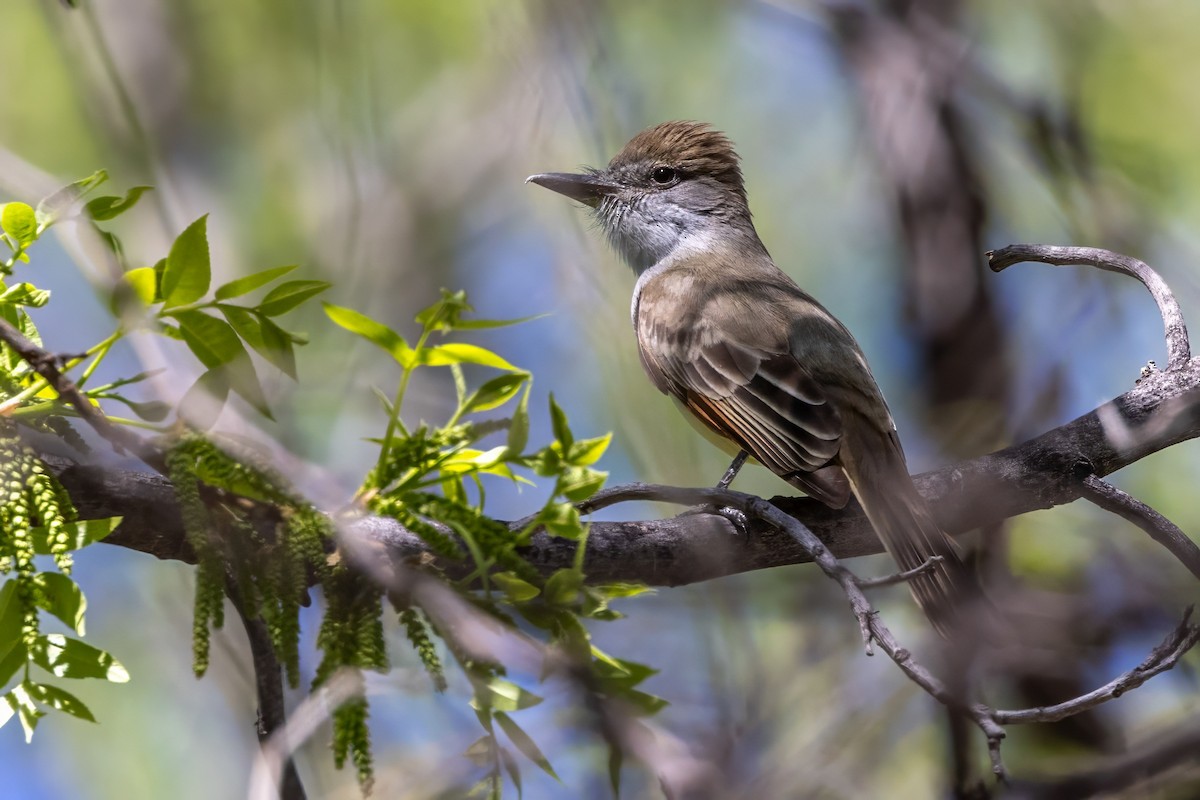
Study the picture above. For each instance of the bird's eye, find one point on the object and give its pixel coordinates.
(663, 175)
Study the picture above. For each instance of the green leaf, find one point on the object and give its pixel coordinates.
(17, 658)
(461, 353)
(558, 421)
(149, 410)
(145, 284)
(54, 206)
(617, 590)
(212, 340)
(561, 519)
(563, 587)
(203, 402)
(25, 294)
(11, 616)
(81, 533)
(618, 672)
(495, 393)
(480, 752)
(63, 598)
(188, 270)
(286, 296)
(500, 694)
(70, 658)
(518, 429)
(514, 588)
(59, 700)
(586, 452)
(109, 206)
(443, 315)
(19, 700)
(268, 339)
(644, 703)
(482, 324)
(249, 283)
(375, 332)
(20, 222)
(579, 483)
(522, 741)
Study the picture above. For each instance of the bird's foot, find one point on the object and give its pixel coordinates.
(736, 518)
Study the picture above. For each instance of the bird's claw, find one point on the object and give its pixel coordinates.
(736, 518)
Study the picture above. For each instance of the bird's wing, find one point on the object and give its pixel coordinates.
(750, 388)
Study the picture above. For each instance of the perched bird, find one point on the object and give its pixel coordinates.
(757, 360)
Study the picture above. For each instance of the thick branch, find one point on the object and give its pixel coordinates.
(1162, 410)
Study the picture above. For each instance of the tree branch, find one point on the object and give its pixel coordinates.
(1161, 529)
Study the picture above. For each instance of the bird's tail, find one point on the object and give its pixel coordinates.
(879, 477)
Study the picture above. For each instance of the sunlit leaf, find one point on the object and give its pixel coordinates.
(144, 282)
(375, 332)
(586, 452)
(25, 294)
(188, 270)
(249, 283)
(286, 296)
(501, 694)
(80, 534)
(63, 598)
(20, 222)
(59, 700)
(19, 700)
(64, 657)
(462, 353)
(109, 206)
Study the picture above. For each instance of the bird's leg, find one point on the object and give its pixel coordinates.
(734, 469)
(735, 517)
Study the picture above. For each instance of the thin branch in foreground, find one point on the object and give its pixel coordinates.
(1161, 529)
(45, 364)
(900, 577)
(1162, 658)
(1179, 350)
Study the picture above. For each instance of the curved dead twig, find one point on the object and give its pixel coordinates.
(1179, 351)
(1161, 529)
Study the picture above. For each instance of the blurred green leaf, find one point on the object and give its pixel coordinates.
(375, 332)
(202, 403)
(518, 429)
(514, 588)
(188, 270)
(522, 741)
(63, 598)
(249, 283)
(501, 694)
(57, 204)
(268, 339)
(20, 222)
(59, 700)
(109, 206)
(561, 519)
(149, 410)
(70, 658)
(563, 587)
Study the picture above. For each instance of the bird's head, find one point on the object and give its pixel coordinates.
(672, 185)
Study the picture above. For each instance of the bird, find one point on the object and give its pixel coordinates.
(758, 362)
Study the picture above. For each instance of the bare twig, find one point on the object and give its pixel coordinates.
(45, 364)
(1182, 639)
(900, 577)
(1161, 529)
(1179, 351)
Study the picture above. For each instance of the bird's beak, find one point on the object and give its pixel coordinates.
(587, 189)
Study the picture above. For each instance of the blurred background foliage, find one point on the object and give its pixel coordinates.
(382, 145)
